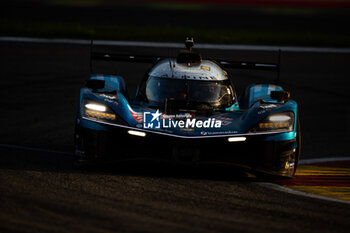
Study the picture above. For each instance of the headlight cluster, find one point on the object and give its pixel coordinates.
(280, 122)
(96, 110)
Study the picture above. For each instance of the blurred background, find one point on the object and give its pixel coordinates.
(321, 23)
(40, 81)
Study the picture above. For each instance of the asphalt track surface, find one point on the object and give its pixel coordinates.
(41, 192)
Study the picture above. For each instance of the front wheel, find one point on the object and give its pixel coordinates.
(298, 149)
(86, 144)
(290, 162)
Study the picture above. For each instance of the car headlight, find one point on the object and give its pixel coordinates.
(98, 111)
(279, 122)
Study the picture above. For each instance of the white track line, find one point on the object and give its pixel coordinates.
(305, 194)
(175, 45)
(284, 189)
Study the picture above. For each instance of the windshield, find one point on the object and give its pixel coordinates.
(215, 93)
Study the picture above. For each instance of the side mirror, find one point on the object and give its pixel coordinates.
(280, 95)
(95, 84)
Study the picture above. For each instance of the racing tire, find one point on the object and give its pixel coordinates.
(298, 149)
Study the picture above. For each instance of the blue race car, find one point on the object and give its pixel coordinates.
(186, 109)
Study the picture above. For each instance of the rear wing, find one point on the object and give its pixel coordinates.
(249, 65)
(139, 58)
(152, 59)
(123, 57)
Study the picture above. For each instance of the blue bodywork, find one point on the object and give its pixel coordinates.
(235, 123)
(276, 151)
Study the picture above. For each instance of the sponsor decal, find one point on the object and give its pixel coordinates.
(268, 106)
(111, 101)
(151, 120)
(225, 120)
(157, 120)
(264, 110)
(112, 97)
(191, 123)
(218, 132)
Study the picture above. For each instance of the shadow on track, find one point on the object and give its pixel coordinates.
(22, 159)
